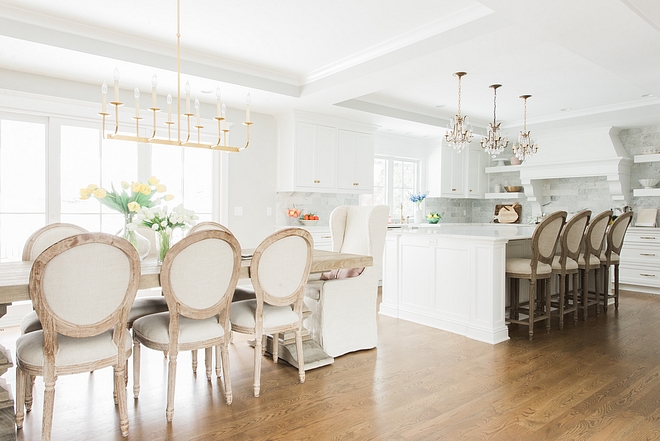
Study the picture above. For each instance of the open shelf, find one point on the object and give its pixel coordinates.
(506, 168)
(646, 191)
(518, 195)
(655, 157)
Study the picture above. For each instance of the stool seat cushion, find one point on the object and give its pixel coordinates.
(522, 266)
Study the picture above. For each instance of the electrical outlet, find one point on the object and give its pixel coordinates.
(269, 211)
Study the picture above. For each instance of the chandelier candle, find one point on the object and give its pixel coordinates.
(459, 133)
(526, 146)
(494, 144)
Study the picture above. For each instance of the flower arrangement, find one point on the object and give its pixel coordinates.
(141, 195)
(418, 197)
(163, 222)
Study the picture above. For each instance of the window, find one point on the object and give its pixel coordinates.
(45, 161)
(394, 180)
(23, 183)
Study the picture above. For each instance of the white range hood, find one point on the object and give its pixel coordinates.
(587, 153)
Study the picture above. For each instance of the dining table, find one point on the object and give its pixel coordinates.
(14, 282)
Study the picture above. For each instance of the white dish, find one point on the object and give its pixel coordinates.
(649, 183)
(308, 223)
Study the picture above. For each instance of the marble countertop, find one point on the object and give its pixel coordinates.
(482, 231)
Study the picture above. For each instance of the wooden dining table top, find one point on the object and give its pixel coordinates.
(15, 275)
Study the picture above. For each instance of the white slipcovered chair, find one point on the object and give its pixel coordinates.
(198, 277)
(82, 288)
(344, 311)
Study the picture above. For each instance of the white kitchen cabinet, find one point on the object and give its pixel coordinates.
(458, 175)
(639, 268)
(355, 162)
(318, 153)
(316, 148)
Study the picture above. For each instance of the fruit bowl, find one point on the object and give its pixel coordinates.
(308, 223)
(649, 183)
(513, 188)
(433, 218)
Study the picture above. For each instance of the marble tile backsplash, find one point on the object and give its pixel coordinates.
(320, 204)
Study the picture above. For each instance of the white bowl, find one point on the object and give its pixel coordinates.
(649, 183)
(308, 223)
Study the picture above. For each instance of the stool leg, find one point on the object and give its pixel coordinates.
(562, 294)
(585, 293)
(606, 283)
(548, 297)
(532, 305)
(597, 288)
(616, 286)
(575, 298)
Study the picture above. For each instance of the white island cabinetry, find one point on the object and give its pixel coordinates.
(639, 267)
(452, 277)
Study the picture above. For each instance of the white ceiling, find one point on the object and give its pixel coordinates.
(387, 62)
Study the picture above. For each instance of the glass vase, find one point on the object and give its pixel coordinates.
(163, 244)
(141, 243)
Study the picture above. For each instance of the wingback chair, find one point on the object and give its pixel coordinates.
(343, 315)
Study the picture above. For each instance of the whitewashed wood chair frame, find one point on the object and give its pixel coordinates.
(611, 256)
(344, 311)
(208, 355)
(565, 264)
(82, 288)
(198, 278)
(534, 269)
(589, 260)
(279, 271)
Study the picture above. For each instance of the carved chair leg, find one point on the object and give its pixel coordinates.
(22, 380)
(224, 350)
(49, 403)
(194, 360)
(28, 392)
(300, 355)
(606, 284)
(276, 346)
(120, 390)
(171, 382)
(562, 295)
(585, 294)
(532, 306)
(548, 297)
(136, 368)
(208, 361)
(576, 306)
(616, 286)
(258, 343)
(597, 293)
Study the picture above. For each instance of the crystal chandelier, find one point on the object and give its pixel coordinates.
(494, 144)
(459, 132)
(223, 131)
(526, 146)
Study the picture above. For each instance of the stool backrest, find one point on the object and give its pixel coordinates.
(595, 234)
(616, 233)
(572, 236)
(545, 237)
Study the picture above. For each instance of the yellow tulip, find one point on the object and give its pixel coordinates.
(161, 188)
(133, 206)
(169, 197)
(84, 194)
(125, 185)
(99, 193)
(135, 187)
(153, 180)
(145, 189)
(91, 188)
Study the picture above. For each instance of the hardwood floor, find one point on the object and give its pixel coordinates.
(599, 380)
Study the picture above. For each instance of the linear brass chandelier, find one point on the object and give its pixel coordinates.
(459, 132)
(223, 131)
(526, 146)
(494, 144)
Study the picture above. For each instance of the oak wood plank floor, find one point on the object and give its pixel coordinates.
(599, 380)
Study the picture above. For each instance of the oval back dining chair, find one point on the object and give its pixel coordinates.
(611, 256)
(279, 270)
(537, 267)
(207, 225)
(198, 277)
(35, 245)
(82, 288)
(589, 260)
(565, 264)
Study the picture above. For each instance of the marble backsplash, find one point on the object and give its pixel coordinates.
(320, 204)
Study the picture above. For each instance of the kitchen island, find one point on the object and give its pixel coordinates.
(452, 276)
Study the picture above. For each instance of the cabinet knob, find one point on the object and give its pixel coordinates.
(453, 189)
(470, 191)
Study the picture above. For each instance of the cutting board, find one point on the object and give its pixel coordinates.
(508, 213)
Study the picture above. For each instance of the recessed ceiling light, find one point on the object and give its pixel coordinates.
(566, 109)
(206, 91)
(646, 95)
(440, 105)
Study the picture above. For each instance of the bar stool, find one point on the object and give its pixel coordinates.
(565, 263)
(538, 267)
(590, 259)
(610, 256)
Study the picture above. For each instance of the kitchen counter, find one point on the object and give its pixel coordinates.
(452, 276)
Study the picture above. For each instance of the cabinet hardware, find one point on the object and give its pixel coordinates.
(326, 237)
(647, 237)
(647, 254)
(647, 275)
(470, 191)
(453, 189)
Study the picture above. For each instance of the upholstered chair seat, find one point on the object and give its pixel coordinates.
(243, 314)
(155, 329)
(521, 266)
(593, 261)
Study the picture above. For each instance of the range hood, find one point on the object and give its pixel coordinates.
(587, 153)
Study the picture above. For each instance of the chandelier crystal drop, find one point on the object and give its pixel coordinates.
(494, 144)
(459, 133)
(222, 132)
(526, 146)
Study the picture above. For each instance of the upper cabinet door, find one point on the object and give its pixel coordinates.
(326, 148)
(315, 156)
(355, 162)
